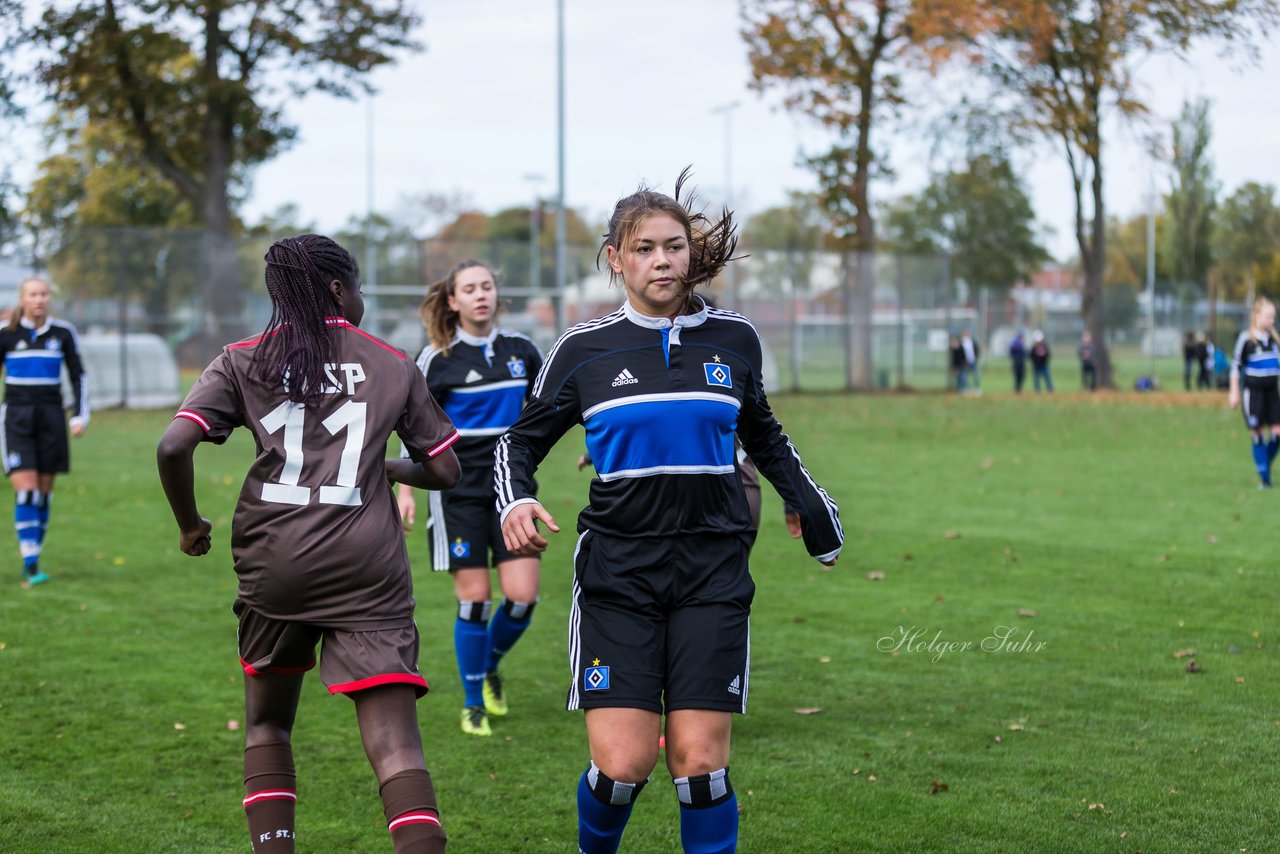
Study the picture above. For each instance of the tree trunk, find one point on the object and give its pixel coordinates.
(1091, 304)
(221, 286)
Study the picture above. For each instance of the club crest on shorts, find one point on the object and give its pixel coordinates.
(596, 677)
(718, 374)
(516, 366)
(461, 547)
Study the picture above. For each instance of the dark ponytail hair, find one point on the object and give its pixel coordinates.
(711, 242)
(441, 321)
(297, 342)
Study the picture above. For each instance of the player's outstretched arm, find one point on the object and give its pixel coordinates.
(440, 472)
(175, 461)
(520, 528)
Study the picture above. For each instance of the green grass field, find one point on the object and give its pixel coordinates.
(1112, 533)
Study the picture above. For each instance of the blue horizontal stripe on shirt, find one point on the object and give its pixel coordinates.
(490, 407)
(1263, 362)
(662, 434)
(34, 365)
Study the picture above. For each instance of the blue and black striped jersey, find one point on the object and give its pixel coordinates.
(33, 360)
(481, 385)
(661, 402)
(1256, 361)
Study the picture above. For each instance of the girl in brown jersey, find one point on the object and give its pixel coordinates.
(315, 538)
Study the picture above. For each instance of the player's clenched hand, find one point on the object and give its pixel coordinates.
(794, 527)
(196, 542)
(520, 529)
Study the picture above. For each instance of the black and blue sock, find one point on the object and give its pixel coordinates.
(471, 644)
(508, 624)
(1261, 461)
(26, 520)
(708, 813)
(604, 807)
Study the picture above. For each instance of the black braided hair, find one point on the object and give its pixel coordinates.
(297, 342)
(711, 242)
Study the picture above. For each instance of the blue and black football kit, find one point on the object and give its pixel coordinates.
(661, 564)
(481, 384)
(1256, 366)
(33, 425)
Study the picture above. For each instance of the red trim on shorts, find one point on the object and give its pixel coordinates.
(250, 670)
(445, 444)
(188, 414)
(412, 818)
(271, 795)
(376, 681)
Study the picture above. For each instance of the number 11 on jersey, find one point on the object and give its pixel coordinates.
(291, 416)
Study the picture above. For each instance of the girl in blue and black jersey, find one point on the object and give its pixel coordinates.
(33, 445)
(1255, 385)
(480, 374)
(662, 593)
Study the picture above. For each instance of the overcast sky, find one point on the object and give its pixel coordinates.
(475, 114)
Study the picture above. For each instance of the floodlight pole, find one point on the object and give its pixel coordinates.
(562, 262)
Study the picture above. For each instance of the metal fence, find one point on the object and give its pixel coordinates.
(830, 321)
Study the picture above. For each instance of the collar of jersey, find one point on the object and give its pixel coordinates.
(696, 319)
(476, 340)
(27, 324)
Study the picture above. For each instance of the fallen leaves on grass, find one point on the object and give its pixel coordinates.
(1097, 807)
(875, 576)
(988, 462)
(233, 725)
(1184, 653)
(908, 556)
(1192, 667)
(938, 786)
(808, 710)
(179, 725)
(1211, 538)
(1027, 612)
(1239, 679)
(951, 535)
(1015, 727)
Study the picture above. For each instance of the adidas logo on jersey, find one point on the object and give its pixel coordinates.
(624, 378)
(473, 376)
(735, 687)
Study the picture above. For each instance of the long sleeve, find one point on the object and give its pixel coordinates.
(779, 461)
(76, 372)
(526, 444)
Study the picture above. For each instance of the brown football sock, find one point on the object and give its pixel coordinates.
(270, 788)
(409, 803)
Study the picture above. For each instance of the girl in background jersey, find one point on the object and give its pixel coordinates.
(480, 374)
(35, 347)
(662, 593)
(1255, 386)
(317, 547)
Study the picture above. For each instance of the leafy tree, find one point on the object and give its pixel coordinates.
(841, 63)
(1246, 241)
(218, 69)
(1070, 66)
(1191, 199)
(107, 224)
(1127, 253)
(980, 216)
